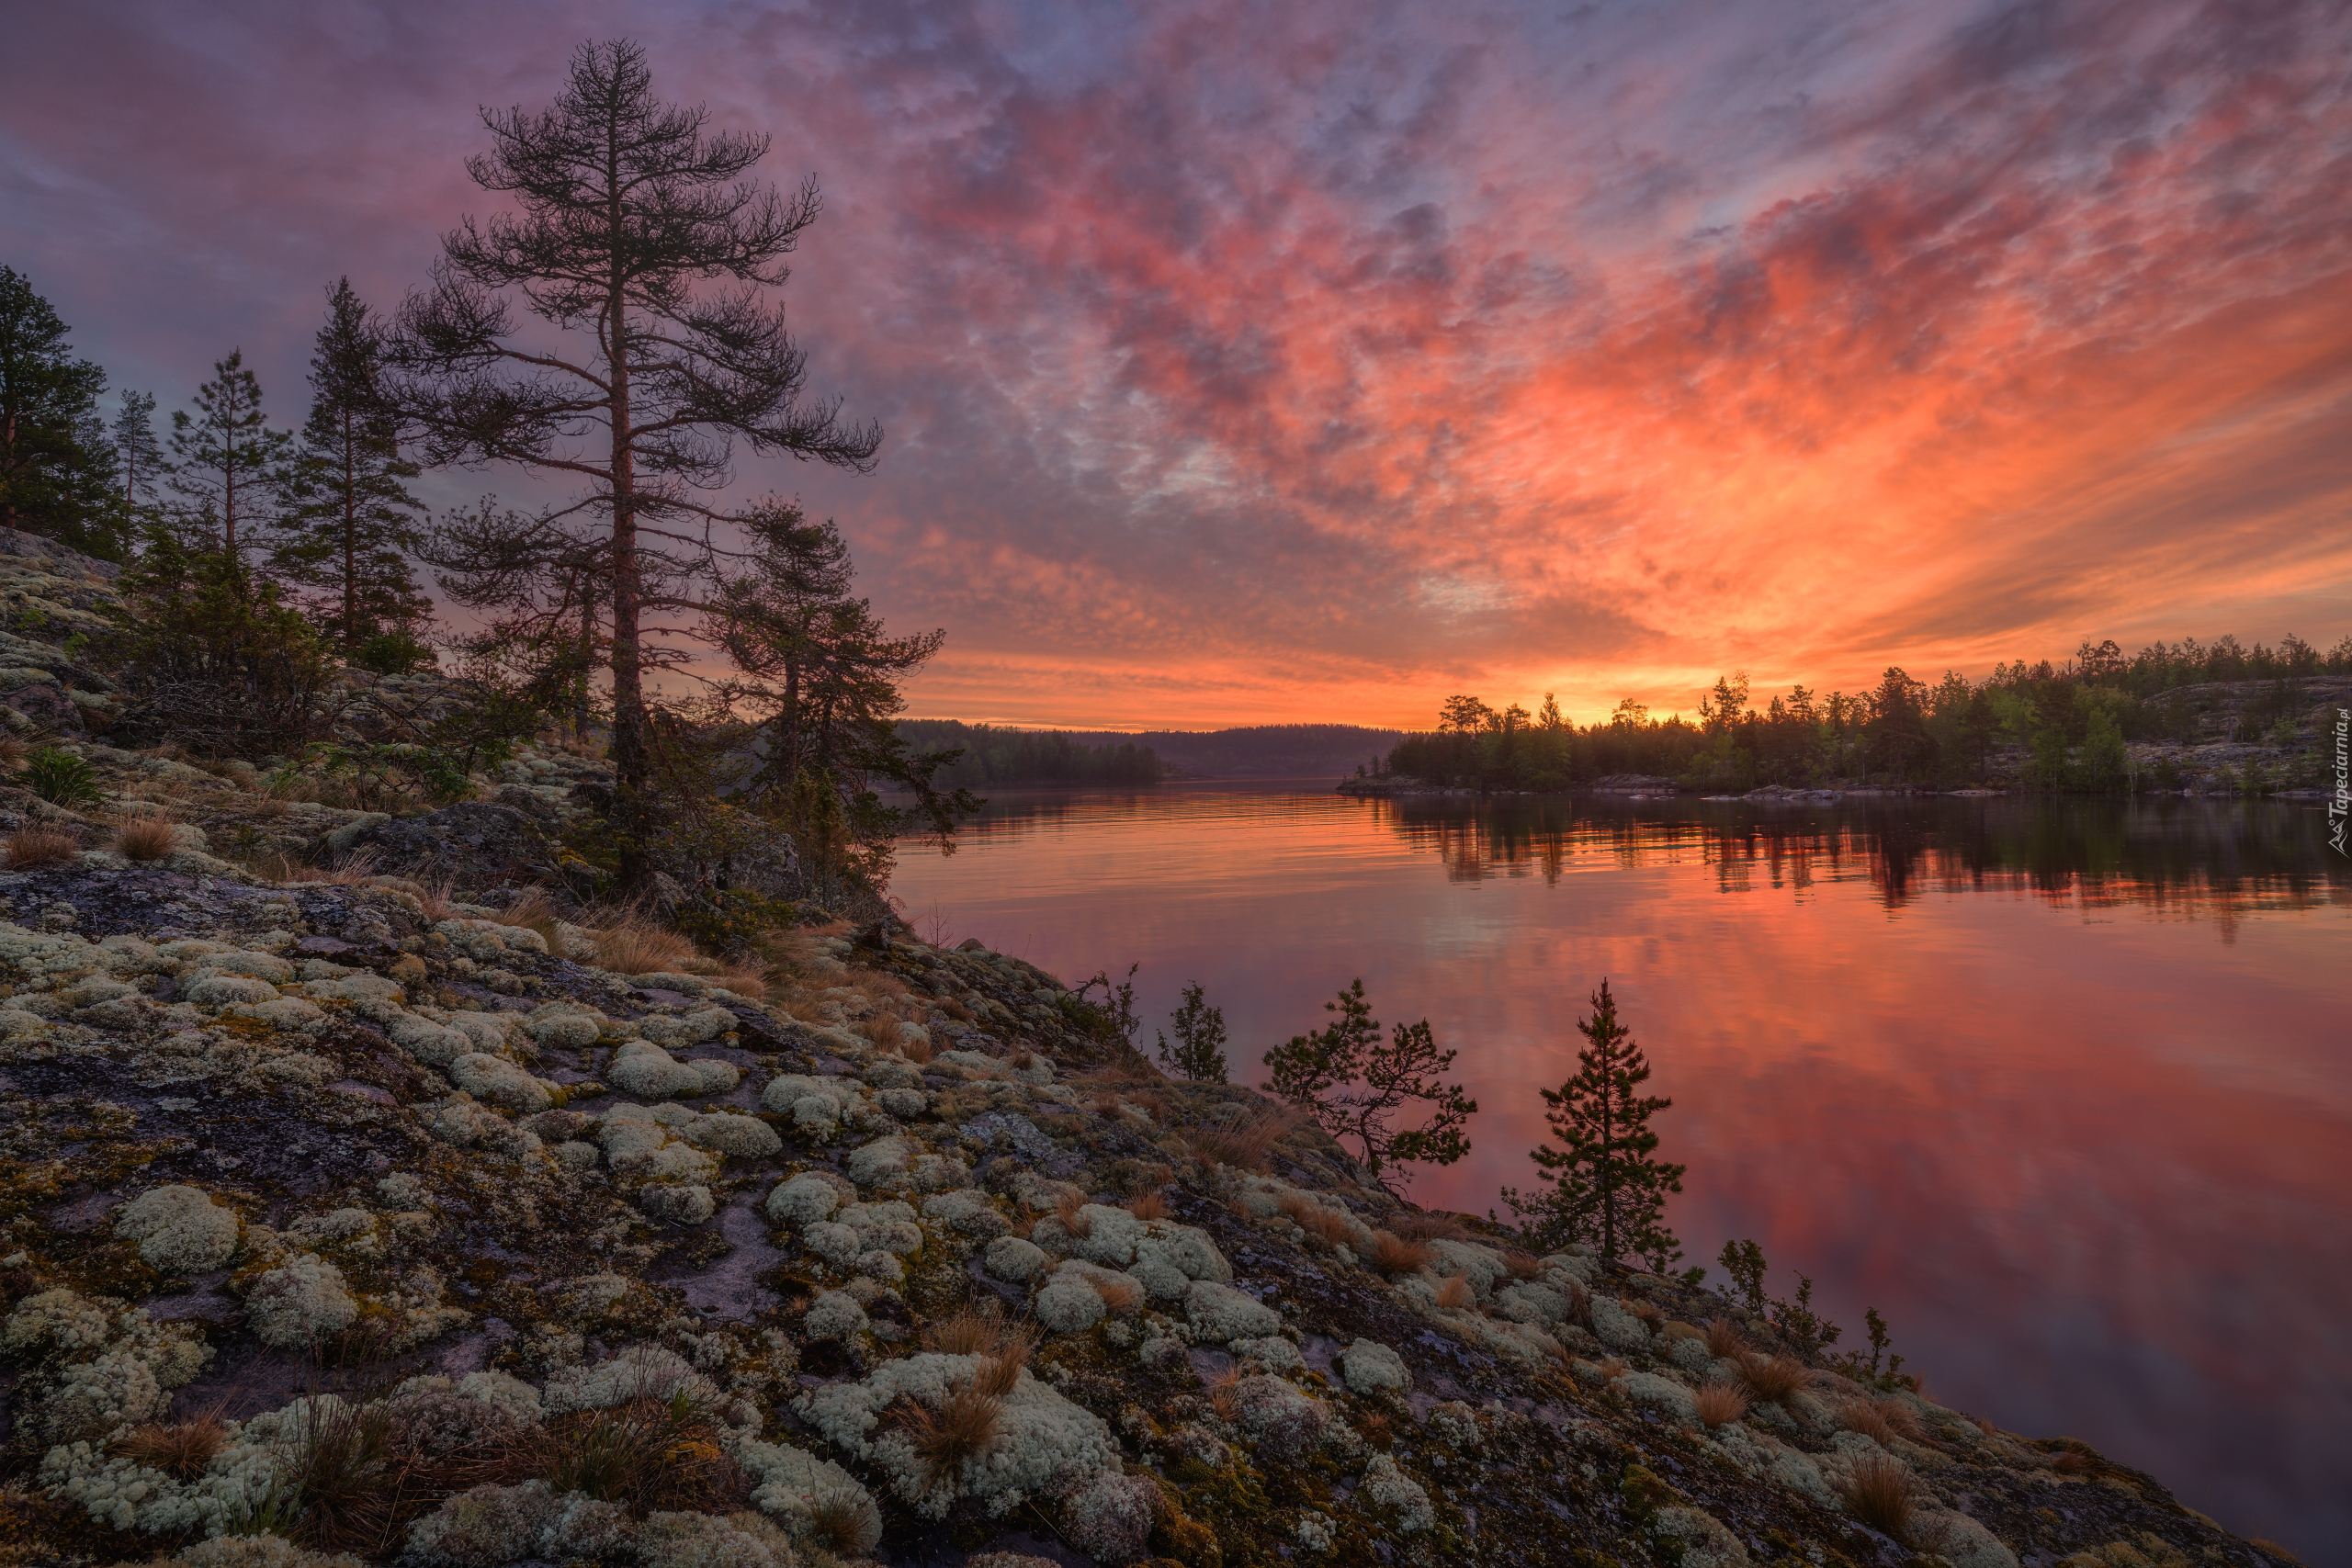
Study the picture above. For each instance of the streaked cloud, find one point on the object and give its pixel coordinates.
(1244, 362)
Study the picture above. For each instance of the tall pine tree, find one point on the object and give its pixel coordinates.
(1604, 1185)
(352, 521)
(229, 467)
(55, 472)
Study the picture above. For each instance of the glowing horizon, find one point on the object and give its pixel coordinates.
(1248, 367)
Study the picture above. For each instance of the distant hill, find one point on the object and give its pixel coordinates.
(1079, 756)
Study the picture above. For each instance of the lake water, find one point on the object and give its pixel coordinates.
(2062, 1088)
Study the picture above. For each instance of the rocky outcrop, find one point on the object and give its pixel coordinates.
(977, 1288)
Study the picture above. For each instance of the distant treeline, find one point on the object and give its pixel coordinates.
(996, 759)
(1001, 757)
(2070, 722)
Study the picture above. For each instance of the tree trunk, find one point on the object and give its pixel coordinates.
(350, 528)
(629, 759)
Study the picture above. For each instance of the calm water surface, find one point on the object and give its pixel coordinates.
(2062, 1088)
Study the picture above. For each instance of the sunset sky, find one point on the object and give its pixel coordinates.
(1249, 363)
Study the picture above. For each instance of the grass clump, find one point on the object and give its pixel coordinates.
(30, 849)
(1244, 1142)
(962, 1426)
(1774, 1378)
(1878, 1490)
(59, 777)
(146, 836)
(1720, 1403)
(647, 1453)
(1392, 1254)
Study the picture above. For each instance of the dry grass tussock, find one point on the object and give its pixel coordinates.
(1148, 1206)
(1523, 1264)
(960, 1427)
(1612, 1370)
(1070, 1209)
(1878, 1490)
(1222, 1397)
(648, 1453)
(1774, 1378)
(630, 942)
(1392, 1254)
(1246, 1141)
(30, 849)
(145, 835)
(1720, 1403)
(1881, 1421)
(1118, 1295)
(983, 1331)
(13, 753)
(1418, 1227)
(1323, 1223)
(180, 1449)
(359, 871)
(534, 910)
(1724, 1341)
(1455, 1294)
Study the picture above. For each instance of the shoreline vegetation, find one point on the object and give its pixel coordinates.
(2181, 720)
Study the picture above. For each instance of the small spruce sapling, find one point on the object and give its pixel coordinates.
(1198, 1052)
(1744, 1261)
(1605, 1185)
(1312, 1072)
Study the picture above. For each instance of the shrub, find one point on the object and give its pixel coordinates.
(30, 849)
(61, 778)
(1878, 1490)
(1774, 1377)
(1719, 1404)
(215, 660)
(1392, 1254)
(391, 653)
(147, 835)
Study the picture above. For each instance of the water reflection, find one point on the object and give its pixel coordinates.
(1979, 1064)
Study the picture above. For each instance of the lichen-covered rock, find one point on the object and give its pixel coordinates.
(1219, 1312)
(676, 1203)
(736, 1137)
(1109, 1518)
(1393, 1492)
(497, 1082)
(704, 1541)
(1014, 1261)
(482, 1526)
(834, 1315)
(1043, 1442)
(1069, 1303)
(300, 1302)
(179, 1229)
(1287, 1423)
(968, 1211)
(1371, 1368)
(803, 1201)
(796, 1488)
(1617, 1328)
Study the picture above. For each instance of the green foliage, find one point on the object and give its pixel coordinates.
(1198, 1052)
(56, 463)
(391, 653)
(730, 921)
(1603, 1186)
(214, 659)
(352, 519)
(1744, 1261)
(230, 465)
(1115, 1013)
(61, 778)
(1880, 1369)
(1314, 1071)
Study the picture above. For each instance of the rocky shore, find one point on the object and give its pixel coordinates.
(363, 1210)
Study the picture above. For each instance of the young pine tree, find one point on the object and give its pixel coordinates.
(353, 521)
(229, 466)
(1354, 1085)
(1604, 1186)
(1198, 1052)
(138, 455)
